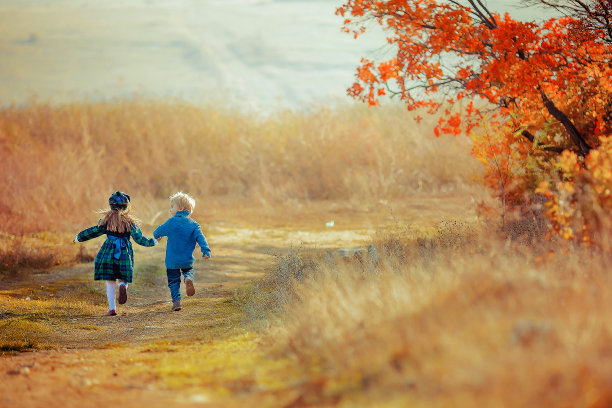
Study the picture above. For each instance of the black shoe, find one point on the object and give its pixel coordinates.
(122, 294)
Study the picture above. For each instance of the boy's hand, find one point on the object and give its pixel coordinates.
(205, 256)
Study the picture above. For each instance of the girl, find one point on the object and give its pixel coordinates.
(115, 260)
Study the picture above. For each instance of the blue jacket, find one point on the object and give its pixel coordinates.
(183, 233)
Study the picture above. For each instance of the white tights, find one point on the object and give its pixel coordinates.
(110, 293)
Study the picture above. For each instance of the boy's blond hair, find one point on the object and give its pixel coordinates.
(182, 201)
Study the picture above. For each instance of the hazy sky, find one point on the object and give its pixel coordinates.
(258, 53)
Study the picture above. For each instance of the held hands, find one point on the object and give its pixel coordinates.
(205, 257)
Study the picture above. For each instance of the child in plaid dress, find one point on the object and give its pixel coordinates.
(183, 233)
(115, 260)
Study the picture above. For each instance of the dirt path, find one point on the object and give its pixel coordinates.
(149, 356)
(91, 357)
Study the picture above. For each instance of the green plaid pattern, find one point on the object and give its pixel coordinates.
(105, 260)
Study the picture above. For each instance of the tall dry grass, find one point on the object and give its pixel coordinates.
(61, 162)
(450, 318)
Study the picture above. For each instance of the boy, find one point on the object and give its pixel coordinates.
(183, 233)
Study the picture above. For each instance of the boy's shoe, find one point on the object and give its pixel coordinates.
(122, 294)
(111, 313)
(189, 287)
(176, 305)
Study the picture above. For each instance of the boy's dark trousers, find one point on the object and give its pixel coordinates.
(174, 280)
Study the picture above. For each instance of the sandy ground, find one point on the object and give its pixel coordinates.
(93, 360)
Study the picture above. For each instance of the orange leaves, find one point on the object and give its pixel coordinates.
(507, 63)
(511, 170)
(451, 124)
(543, 188)
(366, 76)
(567, 164)
(599, 163)
(355, 91)
(551, 78)
(491, 149)
(580, 199)
(364, 72)
(388, 70)
(463, 73)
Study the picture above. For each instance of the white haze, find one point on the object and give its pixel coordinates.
(259, 54)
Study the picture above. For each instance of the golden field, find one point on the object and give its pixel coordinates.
(424, 305)
(61, 162)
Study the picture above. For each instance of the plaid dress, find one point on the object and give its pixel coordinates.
(115, 260)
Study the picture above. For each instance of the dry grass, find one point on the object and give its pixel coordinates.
(451, 317)
(19, 255)
(62, 162)
(266, 298)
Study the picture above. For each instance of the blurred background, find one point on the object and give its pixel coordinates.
(241, 103)
(256, 54)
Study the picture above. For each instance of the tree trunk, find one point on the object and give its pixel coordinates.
(575, 136)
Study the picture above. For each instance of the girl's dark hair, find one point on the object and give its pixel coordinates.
(118, 207)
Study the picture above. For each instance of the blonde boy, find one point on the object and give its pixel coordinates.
(183, 233)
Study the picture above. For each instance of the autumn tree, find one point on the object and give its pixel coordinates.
(545, 86)
(534, 74)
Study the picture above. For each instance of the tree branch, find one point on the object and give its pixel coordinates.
(527, 135)
(575, 136)
(491, 24)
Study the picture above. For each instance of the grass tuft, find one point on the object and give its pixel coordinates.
(270, 295)
(22, 333)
